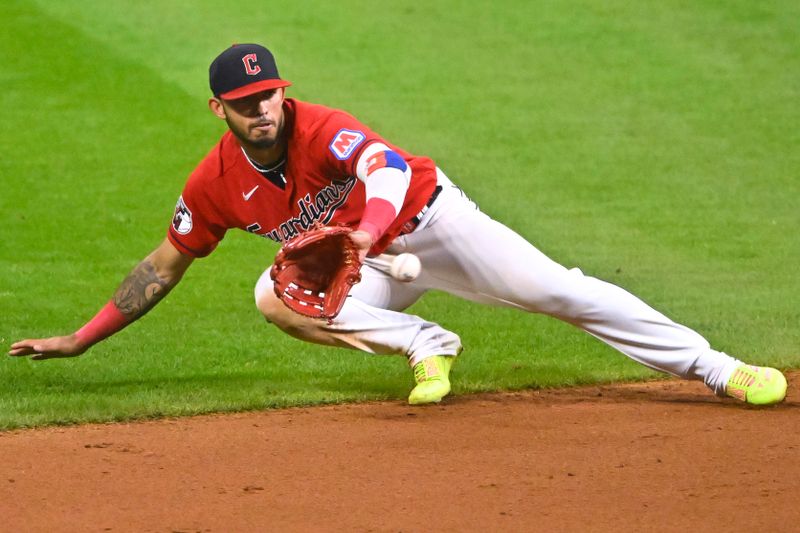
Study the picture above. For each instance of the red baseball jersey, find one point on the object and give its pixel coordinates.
(226, 191)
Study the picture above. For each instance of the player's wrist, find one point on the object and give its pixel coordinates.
(378, 215)
(105, 323)
(370, 229)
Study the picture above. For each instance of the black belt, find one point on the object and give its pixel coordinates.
(412, 224)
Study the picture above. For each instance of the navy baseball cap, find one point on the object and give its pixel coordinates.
(243, 69)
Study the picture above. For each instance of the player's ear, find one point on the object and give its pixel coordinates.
(215, 105)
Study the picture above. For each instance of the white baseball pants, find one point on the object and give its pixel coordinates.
(468, 254)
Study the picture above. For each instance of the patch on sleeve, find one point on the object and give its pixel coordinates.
(386, 159)
(182, 221)
(345, 142)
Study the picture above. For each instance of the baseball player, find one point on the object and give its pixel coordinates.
(285, 166)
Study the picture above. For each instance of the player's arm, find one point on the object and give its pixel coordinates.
(386, 178)
(144, 287)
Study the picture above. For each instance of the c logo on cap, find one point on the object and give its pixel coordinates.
(249, 66)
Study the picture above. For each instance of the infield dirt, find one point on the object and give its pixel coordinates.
(661, 456)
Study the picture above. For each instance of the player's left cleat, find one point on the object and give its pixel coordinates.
(433, 380)
(757, 385)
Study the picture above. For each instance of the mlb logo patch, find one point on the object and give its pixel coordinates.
(182, 221)
(345, 142)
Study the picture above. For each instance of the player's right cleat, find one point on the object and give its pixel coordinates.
(756, 385)
(433, 380)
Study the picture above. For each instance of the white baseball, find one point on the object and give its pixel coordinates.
(405, 267)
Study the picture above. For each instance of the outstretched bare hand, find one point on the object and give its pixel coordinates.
(40, 349)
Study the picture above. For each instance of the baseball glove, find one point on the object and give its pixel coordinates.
(314, 271)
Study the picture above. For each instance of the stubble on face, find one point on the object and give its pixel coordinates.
(248, 136)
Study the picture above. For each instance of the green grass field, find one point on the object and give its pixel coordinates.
(653, 144)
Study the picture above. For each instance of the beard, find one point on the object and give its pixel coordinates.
(245, 139)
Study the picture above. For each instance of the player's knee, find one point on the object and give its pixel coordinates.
(268, 303)
(273, 309)
(276, 312)
(285, 319)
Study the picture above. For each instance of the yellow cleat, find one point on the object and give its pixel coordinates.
(757, 385)
(433, 380)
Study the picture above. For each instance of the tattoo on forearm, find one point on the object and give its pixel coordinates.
(140, 291)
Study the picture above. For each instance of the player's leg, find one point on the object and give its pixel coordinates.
(371, 321)
(468, 254)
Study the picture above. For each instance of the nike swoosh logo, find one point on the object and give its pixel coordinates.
(248, 195)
